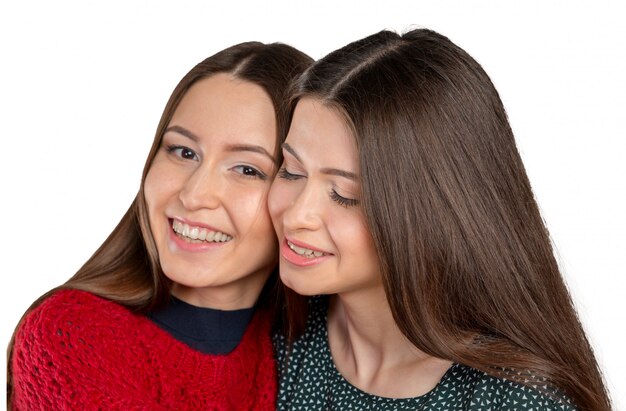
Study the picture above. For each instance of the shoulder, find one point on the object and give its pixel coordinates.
(70, 312)
(58, 311)
(68, 300)
(73, 338)
(483, 391)
(68, 324)
(293, 357)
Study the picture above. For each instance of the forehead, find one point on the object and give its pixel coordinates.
(320, 134)
(222, 107)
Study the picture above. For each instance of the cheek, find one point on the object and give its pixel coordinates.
(151, 189)
(250, 211)
(278, 200)
(351, 235)
(160, 185)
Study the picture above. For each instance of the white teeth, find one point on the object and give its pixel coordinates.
(305, 252)
(176, 225)
(193, 233)
(199, 233)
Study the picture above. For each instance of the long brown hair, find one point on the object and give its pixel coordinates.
(466, 260)
(125, 268)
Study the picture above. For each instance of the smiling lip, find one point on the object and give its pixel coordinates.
(179, 243)
(300, 260)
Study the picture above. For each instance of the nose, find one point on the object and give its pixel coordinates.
(204, 188)
(305, 210)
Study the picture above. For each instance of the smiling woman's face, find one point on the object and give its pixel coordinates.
(206, 193)
(325, 246)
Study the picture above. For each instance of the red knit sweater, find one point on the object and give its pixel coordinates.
(78, 351)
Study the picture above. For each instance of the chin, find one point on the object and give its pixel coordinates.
(298, 288)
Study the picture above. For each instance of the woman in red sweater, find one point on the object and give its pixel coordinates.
(174, 310)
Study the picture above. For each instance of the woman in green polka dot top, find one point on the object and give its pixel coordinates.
(405, 213)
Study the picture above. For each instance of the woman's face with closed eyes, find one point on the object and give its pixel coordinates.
(325, 246)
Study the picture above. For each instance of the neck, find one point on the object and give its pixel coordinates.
(365, 327)
(371, 352)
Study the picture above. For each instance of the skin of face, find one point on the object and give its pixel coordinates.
(314, 206)
(212, 173)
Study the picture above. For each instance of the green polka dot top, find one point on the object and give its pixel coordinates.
(309, 381)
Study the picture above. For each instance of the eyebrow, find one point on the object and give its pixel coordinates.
(340, 173)
(326, 170)
(252, 148)
(291, 151)
(183, 131)
(230, 147)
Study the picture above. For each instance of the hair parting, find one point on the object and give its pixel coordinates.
(467, 264)
(125, 268)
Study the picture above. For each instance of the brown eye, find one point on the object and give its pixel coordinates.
(187, 153)
(183, 152)
(249, 172)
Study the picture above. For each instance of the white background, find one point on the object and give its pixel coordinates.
(83, 85)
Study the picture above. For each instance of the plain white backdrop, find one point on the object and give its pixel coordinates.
(83, 84)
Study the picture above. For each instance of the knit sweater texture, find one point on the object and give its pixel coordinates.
(78, 351)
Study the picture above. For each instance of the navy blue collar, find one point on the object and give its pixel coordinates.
(207, 330)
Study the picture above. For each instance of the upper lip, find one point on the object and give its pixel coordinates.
(197, 224)
(304, 245)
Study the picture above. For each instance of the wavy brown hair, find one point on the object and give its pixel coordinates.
(466, 260)
(126, 268)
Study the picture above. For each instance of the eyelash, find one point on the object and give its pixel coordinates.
(283, 173)
(173, 148)
(342, 201)
(257, 174)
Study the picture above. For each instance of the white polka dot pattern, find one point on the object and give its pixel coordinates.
(310, 381)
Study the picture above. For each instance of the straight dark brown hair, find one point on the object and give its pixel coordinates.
(466, 260)
(126, 268)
